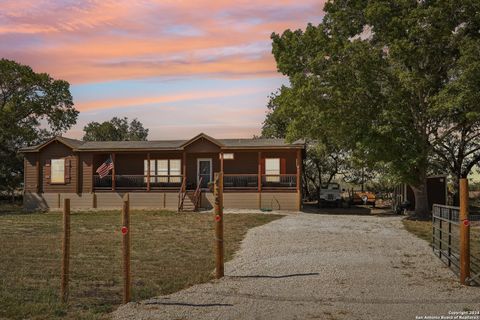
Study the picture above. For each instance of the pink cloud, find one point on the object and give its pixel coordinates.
(99, 40)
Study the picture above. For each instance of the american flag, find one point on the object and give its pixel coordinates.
(105, 168)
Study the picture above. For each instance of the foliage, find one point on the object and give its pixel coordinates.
(117, 129)
(33, 107)
(379, 76)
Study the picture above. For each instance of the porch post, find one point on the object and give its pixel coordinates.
(148, 171)
(221, 161)
(298, 182)
(37, 169)
(184, 163)
(259, 179)
(78, 173)
(91, 175)
(113, 172)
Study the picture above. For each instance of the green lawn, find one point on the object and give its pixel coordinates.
(170, 252)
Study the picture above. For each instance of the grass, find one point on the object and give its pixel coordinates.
(170, 252)
(423, 230)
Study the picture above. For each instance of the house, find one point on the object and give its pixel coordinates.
(174, 174)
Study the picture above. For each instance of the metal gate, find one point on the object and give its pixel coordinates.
(446, 239)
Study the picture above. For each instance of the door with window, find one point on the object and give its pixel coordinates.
(204, 170)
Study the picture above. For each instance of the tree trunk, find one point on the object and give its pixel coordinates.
(456, 190)
(319, 190)
(422, 209)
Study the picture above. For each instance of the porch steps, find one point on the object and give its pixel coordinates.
(188, 205)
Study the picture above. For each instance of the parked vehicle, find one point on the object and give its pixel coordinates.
(330, 195)
(364, 197)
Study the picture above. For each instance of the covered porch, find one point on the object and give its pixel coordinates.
(249, 171)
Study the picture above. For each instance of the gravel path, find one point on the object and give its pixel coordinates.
(310, 266)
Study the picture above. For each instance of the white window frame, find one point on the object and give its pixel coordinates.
(57, 164)
(275, 176)
(227, 156)
(161, 176)
(177, 178)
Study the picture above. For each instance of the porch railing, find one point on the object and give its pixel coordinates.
(230, 182)
(137, 182)
(279, 181)
(268, 181)
(243, 181)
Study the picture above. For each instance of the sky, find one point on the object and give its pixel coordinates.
(180, 67)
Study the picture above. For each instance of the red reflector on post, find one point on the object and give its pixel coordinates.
(218, 218)
(124, 230)
(466, 222)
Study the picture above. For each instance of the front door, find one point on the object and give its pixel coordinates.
(204, 169)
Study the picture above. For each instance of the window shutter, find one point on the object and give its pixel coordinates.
(48, 171)
(68, 165)
(283, 166)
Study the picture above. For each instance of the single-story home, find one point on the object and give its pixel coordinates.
(170, 174)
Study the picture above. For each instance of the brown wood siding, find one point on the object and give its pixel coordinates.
(288, 161)
(242, 163)
(58, 150)
(202, 145)
(30, 173)
(86, 160)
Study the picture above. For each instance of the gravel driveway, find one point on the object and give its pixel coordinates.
(309, 266)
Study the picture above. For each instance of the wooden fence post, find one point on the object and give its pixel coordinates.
(126, 248)
(464, 233)
(218, 194)
(65, 250)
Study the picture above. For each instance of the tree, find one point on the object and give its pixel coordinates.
(459, 150)
(369, 75)
(117, 129)
(324, 159)
(33, 107)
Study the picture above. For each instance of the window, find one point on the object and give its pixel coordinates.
(152, 170)
(57, 171)
(162, 170)
(226, 156)
(272, 169)
(175, 170)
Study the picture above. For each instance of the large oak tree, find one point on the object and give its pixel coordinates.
(378, 75)
(33, 107)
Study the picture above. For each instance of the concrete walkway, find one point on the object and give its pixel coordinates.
(311, 266)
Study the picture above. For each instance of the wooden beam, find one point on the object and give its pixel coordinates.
(126, 248)
(37, 168)
(259, 180)
(259, 171)
(92, 168)
(219, 248)
(65, 271)
(299, 177)
(148, 171)
(184, 164)
(77, 184)
(221, 161)
(464, 233)
(113, 172)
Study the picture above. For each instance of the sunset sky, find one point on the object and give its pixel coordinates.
(180, 67)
